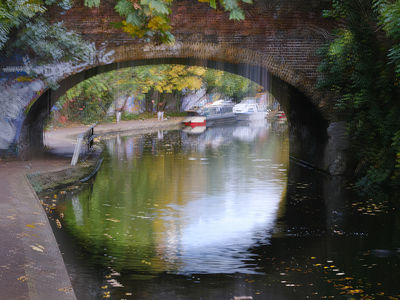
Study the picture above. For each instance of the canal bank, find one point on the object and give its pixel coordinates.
(31, 265)
(61, 141)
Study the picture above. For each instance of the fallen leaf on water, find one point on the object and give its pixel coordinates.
(104, 287)
(113, 220)
(37, 247)
(58, 223)
(30, 225)
(65, 289)
(357, 291)
(22, 278)
(114, 283)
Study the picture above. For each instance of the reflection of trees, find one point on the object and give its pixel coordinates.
(137, 205)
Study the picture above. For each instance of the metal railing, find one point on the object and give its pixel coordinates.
(87, 137)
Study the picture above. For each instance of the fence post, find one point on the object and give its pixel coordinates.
(88, 135)
(77, 150)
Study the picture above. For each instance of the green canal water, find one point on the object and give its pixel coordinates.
(221, 215)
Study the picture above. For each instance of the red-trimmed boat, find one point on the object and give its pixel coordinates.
(195, 121)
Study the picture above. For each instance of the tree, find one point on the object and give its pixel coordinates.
(360, 67)
(25, 20)
(89, 101)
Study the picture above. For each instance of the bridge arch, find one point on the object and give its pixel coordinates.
(308, 118)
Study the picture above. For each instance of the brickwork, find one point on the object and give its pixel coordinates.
(280, 35)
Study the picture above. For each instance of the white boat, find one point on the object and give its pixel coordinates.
(248, 110)
(218, 113)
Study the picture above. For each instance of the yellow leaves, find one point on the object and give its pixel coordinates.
(134, 31)
(194, 83)
(356, 291)
(30, 225)
(24, 79)
(145, 262)
(158, 88)
(22, 278)
(198, 71)
(177, 70)
(159, 23)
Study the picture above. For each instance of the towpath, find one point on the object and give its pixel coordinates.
(61, 141)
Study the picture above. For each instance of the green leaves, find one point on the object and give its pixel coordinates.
(124, 8)
(92, 3)
(236, 14)
(355, 68)
(24, 15)
(151, 18)
(213, 4)
(389, 19)
(160, 7)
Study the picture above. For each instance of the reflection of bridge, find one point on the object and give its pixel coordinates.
(275, 46)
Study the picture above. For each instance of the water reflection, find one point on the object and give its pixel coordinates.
(217, 215)
(183, 204)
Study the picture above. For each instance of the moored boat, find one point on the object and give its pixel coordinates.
(195, 121)
(218, 113)
(248, 110)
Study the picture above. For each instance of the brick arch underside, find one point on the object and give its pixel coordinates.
(307, 124)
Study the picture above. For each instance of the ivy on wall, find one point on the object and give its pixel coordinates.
(361, 67)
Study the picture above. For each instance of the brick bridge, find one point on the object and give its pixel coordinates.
(275, 46)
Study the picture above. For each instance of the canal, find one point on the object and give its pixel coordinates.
(221, 215)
